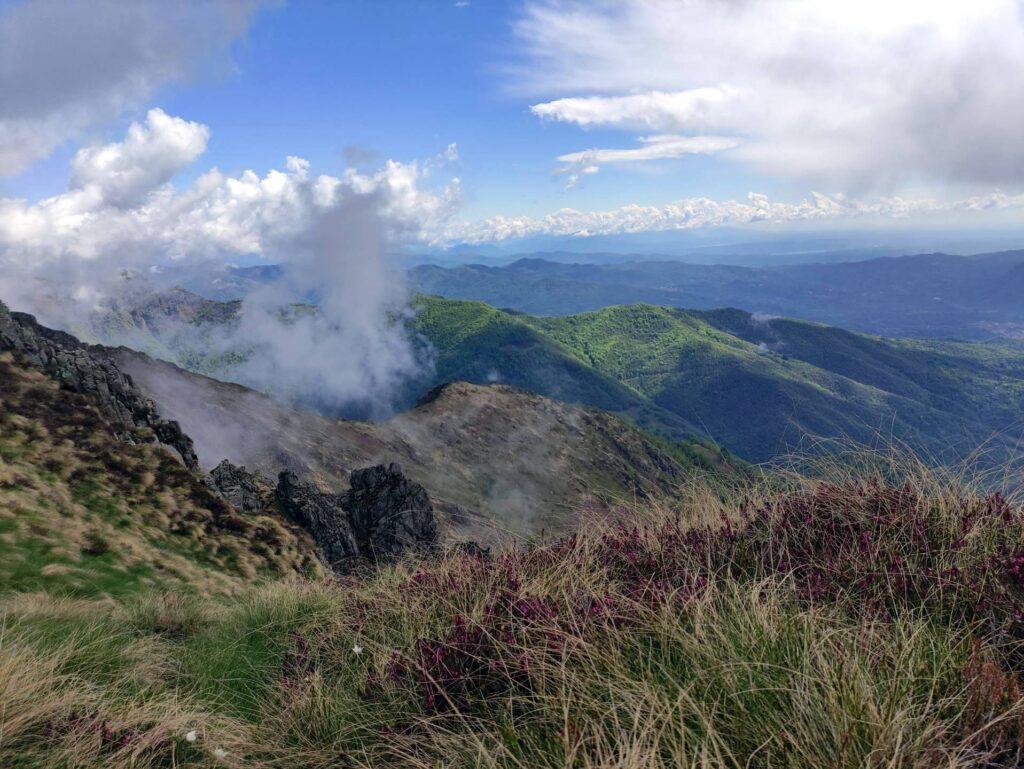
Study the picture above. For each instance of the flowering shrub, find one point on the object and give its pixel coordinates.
(846, 624)
(871, 548)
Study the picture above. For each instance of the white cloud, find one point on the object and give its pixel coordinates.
(125, 172)
(658, 110)
(659, 147)
(68, 66)
(873, 94)
(119, 208)
(693, 213)
(652, 148)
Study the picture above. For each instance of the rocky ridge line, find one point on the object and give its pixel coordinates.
(89, 371)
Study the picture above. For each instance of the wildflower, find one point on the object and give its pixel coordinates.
(191, 736)
(357, 649)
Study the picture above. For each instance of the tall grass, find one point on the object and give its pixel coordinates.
(865, 619)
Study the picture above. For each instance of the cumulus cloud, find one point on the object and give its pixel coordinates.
(67, 66)
(872, 94)
(120, 208)
(123, 173)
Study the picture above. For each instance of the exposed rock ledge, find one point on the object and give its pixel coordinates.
(382, 516)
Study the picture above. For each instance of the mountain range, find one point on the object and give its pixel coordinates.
(926, 295)
(754, 385)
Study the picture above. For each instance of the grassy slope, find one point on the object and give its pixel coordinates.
(671, 640)
(957, 377)
(475, 342)
(83, 514)
(757, 401)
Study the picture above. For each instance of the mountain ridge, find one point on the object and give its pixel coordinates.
(924, 295)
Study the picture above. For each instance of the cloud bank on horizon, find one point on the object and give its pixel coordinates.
(870, 95)
(121, 208)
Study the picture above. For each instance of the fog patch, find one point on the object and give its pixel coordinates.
(350, 353)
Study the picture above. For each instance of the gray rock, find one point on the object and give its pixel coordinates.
(247, 492)
(322, 515)
(380, 518)
(89, 371)
(390, 514)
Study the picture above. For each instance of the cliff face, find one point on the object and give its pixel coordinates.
(89, 371)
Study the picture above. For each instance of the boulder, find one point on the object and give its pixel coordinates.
(322, 515)
(382, 516)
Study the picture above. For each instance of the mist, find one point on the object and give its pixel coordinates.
(329, 334)
(350, 353)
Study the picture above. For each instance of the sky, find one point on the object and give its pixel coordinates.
(176, 130)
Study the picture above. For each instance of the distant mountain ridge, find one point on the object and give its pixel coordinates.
(926, 295)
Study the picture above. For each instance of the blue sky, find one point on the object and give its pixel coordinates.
(400, 80)
(571, 119)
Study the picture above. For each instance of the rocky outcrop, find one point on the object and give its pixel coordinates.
(246, 491)
(323, 515)
(92, 373)
(382, 516)
(390, 515)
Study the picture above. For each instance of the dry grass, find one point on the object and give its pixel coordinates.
(688, 635)
(82, 513)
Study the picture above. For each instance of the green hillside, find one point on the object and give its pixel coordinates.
(473, 341)
(756, 385)
(958, 377)
(757, 393)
